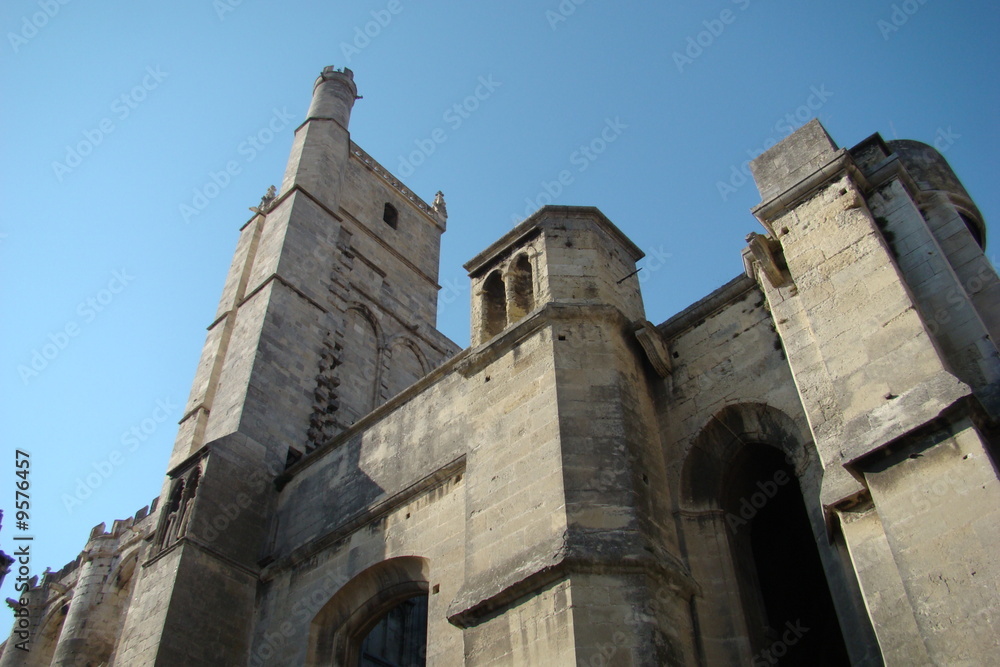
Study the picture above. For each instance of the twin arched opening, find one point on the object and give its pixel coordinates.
(508, 295)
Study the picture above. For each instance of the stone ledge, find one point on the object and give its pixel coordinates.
(369, 515)
(540, 218)
(475, 604)
(476, 359)
(844, 490)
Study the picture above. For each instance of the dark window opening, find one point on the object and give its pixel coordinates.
(494, 305)
(973, 228)
(399, 638)
(390, 215)
(786, 597)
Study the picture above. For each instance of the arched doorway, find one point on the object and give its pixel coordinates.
(790, 614)
(753, 531)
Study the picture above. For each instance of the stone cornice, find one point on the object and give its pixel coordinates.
(538, 220)
(373, 165)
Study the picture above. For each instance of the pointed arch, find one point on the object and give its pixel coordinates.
(360, 362)
(45, 637)
(494, 305)
(756, 538)
(405, 364)
(122, 574)
(520, 284)
(337, 630)
(720, 440)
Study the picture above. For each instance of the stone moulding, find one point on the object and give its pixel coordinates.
(369, 515)
(371, 163)
(767, 211)
(531, 225)
(475, 604)
(480, 357)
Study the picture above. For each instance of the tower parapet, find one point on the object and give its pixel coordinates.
(333, 97)
(566, 254)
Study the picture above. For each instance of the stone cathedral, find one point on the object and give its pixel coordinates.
(800, 468)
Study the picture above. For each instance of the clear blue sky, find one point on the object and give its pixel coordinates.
(115, 115)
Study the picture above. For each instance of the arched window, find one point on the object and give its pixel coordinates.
(522, 292)
(378, 618)
(398, 638)
(494, 306)
(390, 215)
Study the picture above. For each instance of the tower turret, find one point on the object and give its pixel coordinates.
(322, 144)
(333, 97)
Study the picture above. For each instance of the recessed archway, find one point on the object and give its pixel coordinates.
(749, 502)
(786, 598)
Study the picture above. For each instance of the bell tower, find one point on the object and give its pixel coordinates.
(328, 310)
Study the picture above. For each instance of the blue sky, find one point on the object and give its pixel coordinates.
(120, 119)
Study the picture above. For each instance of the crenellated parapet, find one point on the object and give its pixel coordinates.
(78, 609)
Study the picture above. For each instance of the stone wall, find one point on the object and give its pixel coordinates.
(75, 615)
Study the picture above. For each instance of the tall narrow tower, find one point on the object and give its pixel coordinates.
(328, 310)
